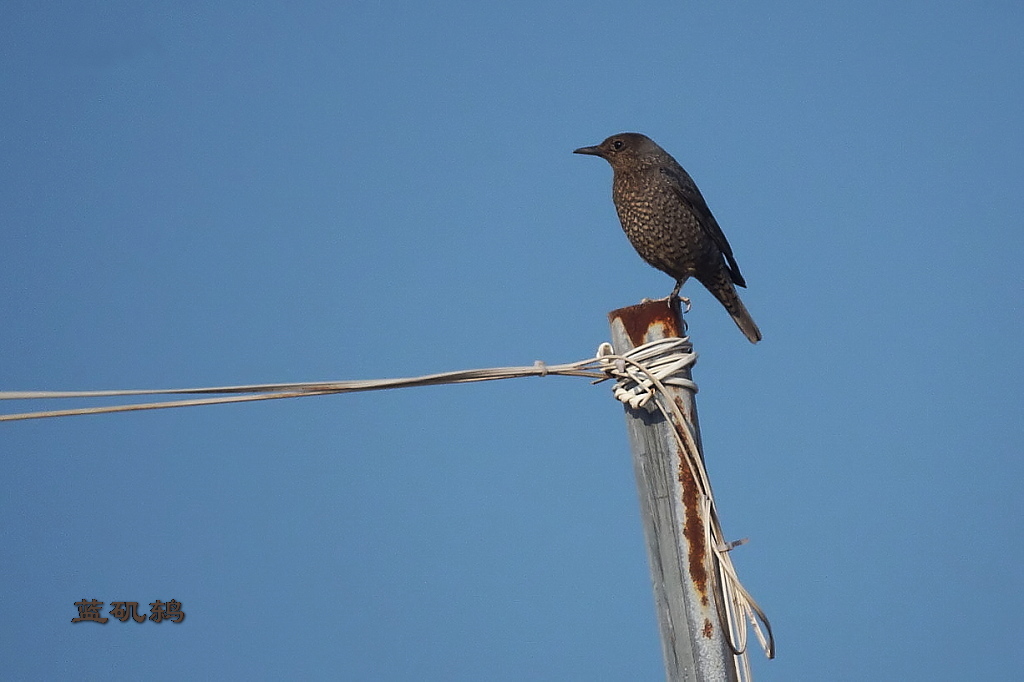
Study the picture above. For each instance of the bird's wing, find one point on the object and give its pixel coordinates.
(686, 190)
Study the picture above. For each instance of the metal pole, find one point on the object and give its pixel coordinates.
(686, 590)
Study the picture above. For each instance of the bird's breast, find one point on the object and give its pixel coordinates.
(662, 229)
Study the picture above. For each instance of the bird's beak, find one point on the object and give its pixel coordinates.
(593, 151)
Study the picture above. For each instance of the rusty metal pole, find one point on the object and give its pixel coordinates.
(685, 586)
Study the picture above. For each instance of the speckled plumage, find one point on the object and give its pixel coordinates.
(669, 223)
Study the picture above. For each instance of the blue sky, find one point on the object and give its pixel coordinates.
(200, 196)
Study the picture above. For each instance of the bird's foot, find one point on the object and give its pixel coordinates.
(683, 299)
(670, 300)
(674, 296)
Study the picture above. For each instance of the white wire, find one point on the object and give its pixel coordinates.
(236, 394)
(641, 376)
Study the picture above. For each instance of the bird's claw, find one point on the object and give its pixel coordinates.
(674, 296)
(683, 299)
(670, 300)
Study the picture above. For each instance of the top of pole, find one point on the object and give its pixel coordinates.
(650, 321)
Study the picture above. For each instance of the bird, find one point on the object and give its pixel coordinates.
(668, 222)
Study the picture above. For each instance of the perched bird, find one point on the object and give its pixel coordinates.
(669, 223)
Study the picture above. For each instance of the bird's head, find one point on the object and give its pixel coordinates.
(625, 150)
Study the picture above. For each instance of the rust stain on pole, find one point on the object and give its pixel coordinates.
(693, 531)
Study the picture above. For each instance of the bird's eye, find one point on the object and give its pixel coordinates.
(617, 145)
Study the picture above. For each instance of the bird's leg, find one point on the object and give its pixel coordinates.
(675, 295)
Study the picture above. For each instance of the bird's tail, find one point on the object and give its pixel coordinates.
(722, 288)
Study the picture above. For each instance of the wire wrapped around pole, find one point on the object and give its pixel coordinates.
(641, 375)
